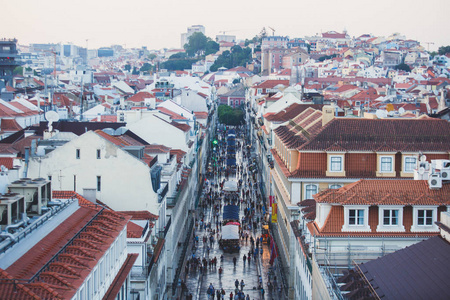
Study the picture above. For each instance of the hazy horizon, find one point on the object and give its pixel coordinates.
(158, 25)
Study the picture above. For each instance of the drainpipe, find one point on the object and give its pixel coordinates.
(17, 225)
(27, 159)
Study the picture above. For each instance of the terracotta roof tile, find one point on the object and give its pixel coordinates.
(173, 115)
(134, 230)
(140, 215)
(63, 276)
(8, 162)
(386, 192)
(369, 135)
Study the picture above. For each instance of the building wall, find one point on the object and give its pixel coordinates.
(102, 275)
(125, 180)
(156, 131)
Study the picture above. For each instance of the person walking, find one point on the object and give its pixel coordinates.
(242, 284)
(234, 261)
(244, 258)
(236, 283)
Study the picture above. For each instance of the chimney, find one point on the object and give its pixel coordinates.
(327, 114)
(90, 194)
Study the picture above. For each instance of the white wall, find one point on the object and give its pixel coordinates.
(125, 180)
(156, 131)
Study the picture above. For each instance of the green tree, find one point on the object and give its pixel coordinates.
(179, 55)
(403, 67)
(178, 64)
(18, 70)
(127, 67)
(230, 116)
(230, 59)
(211, 47)
(152, 56)
(135, 71)
(444, 50)
(196, 44)
(146, 68)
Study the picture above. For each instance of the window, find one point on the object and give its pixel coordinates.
(335, 186)
(99, 183)
(74, 183)
(410, 163)
(425, 217)
(336, 163)
(77, 155)
(50, 177)
(95, 281)
(102, 272)
(390, 217)
(356, 217)
(98, 154)
(386, 164)
(310, 190)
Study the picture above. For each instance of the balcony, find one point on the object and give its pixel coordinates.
(162, 192)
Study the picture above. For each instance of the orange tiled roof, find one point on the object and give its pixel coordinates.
(268, 84)
(8, 162)
(172, 114)
(71, 194)
(134, 230)
(140, 215)
(369, 135)
(68, 272)
(106, 118)
(140, 97)
(386, 192)
(10, 125)
(201, 114)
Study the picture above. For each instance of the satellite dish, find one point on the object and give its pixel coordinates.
(423, 158)
(379, 114)
(391, 113)
(51, 116)
(421, 170)
(385, 114)
(401, 110)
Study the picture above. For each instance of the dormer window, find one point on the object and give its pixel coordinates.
(356, 218)
(336, 164)
(410, 164)
(424, 219)
(390, 218)
(386, 164)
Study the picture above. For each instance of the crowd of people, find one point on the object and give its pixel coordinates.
(209, 223)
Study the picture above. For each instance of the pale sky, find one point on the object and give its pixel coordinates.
(159, 24)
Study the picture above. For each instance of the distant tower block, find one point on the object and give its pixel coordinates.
(8, 59)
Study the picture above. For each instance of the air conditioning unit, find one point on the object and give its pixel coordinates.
(445, 174)
(11, 209)
(435, 181)
(37, 193)
(441, 164)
